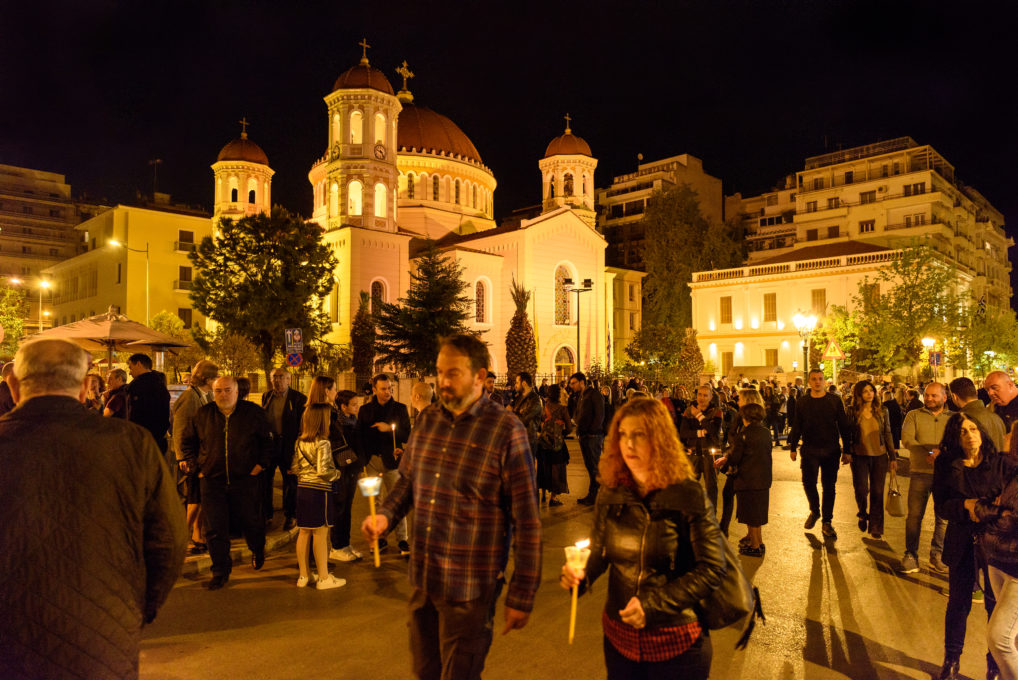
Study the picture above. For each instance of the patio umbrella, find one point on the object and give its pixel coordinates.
(112, 332)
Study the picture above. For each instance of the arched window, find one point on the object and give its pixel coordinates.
(379, 128)
(335, 129)
(564, 364)
(457, 199)
(434, 187)
(551, 187)
(233, 195)
(251, 196)
(410, 185)
(355, 199)
(219, 193)
(334, 303)
(473, 201)
(377, 295)
(380, 196)
(562, 315)
(479, 310)
(334, 200)
(356, 127)
(252, 185)
(584, 185)
(567, 189)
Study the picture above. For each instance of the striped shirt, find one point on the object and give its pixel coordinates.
(470, 481)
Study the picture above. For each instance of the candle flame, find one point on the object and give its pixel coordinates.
(580, 545)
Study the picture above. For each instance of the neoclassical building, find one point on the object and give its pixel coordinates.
(395, 173)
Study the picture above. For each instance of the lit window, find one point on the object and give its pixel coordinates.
(562, 314)
(819, 298)
(726, 309)
(867, 226)
(379, 128)
(380, 196)
(334, 199)
(356, 127)
(770, 307)
(410, 185)
(567, 184)
(434, 187)
(479, 302)
(457, 199)
(377, 295)
(355, 200)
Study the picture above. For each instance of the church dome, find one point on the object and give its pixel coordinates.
(423, 130)
(243, 149)
(568, 144)
(363, 76)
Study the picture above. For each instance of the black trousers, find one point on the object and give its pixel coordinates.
(777, 426)
(868, 476)
(703, 467)
(450, 640)
(346, 491)
(961, 580)
(241, 499)
(826, 467)
(693, 664)
(727, 503)
(279, 460)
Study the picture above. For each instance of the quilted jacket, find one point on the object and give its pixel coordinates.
(91, 542)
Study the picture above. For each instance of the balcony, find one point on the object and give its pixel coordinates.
(184, 246)
(182, 286)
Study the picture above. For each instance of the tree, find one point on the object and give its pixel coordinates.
(520, 345)
(362, 340)
(656, 343)
(690, 362)
(667, 354)
(182, 359)
(263, 274)
(13, 310)
(435, 306)
(231, 352)
(684, 241)
(984, 340)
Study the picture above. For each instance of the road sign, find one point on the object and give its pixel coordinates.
(936, 358)
(294, 359)
(294, 340)
(833, 351)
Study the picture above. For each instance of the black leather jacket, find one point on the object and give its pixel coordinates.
(664, 549)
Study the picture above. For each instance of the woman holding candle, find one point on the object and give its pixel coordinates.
(655, 533)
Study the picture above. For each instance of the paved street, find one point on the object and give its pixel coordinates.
(833, 611)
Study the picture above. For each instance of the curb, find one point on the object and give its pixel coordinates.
(196, 565)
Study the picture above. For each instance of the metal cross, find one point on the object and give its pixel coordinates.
(405, 71)
(568, 120)
(243, 125)
(364, 44)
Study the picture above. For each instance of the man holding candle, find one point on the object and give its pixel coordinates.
(383, 427)
(468, 475)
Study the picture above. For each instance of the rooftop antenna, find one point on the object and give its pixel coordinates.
(155, 163)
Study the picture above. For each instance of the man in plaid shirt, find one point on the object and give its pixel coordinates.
(468, 474)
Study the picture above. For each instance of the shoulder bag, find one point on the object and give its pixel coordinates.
(734, 600)
(895, 504)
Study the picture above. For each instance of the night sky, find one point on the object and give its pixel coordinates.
(93, 90)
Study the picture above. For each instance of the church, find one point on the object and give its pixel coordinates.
(395, 174)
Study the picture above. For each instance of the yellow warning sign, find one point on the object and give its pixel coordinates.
(833, 351)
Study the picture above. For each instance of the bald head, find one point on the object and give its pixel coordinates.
(420, 396)
(49, 367)
(224, 391)
(1000, 388)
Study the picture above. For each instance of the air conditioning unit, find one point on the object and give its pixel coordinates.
(881, 189)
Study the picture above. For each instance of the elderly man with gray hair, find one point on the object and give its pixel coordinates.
(93, 535)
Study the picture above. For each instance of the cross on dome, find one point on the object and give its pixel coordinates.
(405, 71)
(568, 120)
(243, 127)
(364, 54)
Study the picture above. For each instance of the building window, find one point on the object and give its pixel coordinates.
(54, 212)
(434, 187)
(379, 128)
(818, 183)
(849, 177)
(833, 203)
(915, 189)
(564, 365)
(355, 199)
(356, 127)
(380, 200)
(632, 321)
(811, 206)
(632, 293)
(812, 235)
(727, 360)
(770, 357)
(251, 196)
(233, 195)
(184, 273)
(27, 209)
(118, 272)
(867, 226)
(335, 129)
(334, 303)
(832, 232)
(456, 200)
(562, 313)
(772, 199)
(819, 298)
(185, 315)
(377, 296)
(410, 185)
(867, 196)
(726, 309)
(567, 184)
(770, 307)
(479, 302)
(54, 251)
(473, 201)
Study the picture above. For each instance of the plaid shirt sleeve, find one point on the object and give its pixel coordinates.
(519, 485)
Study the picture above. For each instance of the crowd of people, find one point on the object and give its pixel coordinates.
(467, 464)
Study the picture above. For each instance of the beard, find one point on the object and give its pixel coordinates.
(455, 401)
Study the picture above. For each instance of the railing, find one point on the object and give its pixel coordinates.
(184, 246)
(182, 285)
(862, 259)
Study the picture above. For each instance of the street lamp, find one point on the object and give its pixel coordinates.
(585, 287)
(118, 244)
(43, 284)
(805, 325)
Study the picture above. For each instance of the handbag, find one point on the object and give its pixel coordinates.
(894, 504)
(734, 600)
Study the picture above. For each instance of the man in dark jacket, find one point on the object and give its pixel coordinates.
(284, 408)
(93, 535)
(589, 419)
(230, 442)
(375, 437)
(700, 433)
(148, 400)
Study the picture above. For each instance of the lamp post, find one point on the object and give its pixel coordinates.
(585, 287)
(928, 343)
(805, 325)
(43, 284)
(118, 244)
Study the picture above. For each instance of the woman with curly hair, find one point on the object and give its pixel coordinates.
(873, 453)
(656, 530)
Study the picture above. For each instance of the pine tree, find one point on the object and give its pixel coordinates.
(362, 337)
(435, 306)
(690, 362)
(520, 346)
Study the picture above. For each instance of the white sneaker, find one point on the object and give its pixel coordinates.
(302, 581)
(331, 582)
(347, 554)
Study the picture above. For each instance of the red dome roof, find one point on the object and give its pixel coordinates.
(362, 75)
(568, 145)
(243, 149)
(422, 129)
